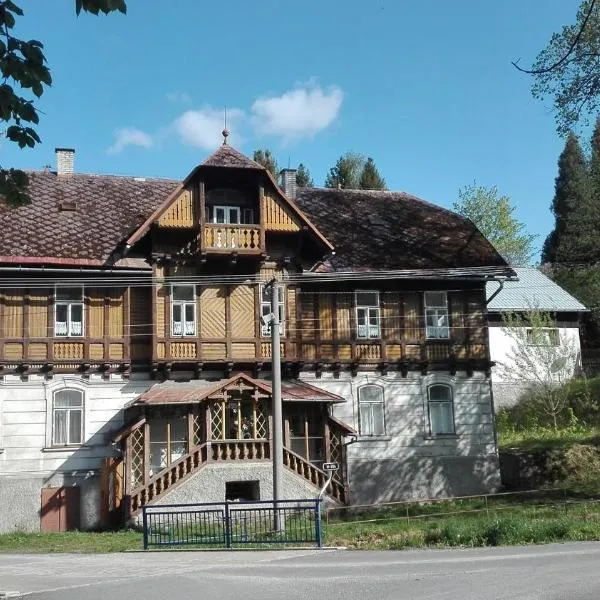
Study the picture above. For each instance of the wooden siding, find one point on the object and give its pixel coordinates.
(278, 217)
(242, 311)
(212, 310)
(180, 213)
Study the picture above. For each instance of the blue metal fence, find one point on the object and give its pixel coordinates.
(233, 524)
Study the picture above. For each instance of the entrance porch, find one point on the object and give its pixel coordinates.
(176, 428)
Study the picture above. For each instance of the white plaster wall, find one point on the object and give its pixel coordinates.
(29, 463)
(507, 389)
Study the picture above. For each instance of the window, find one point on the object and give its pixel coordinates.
(441, 410)
(367, 315)
(68, 311)
(183, 310)
(67, 418)
(542, 337)
(265, 309)
(436, 315)
(371, 411)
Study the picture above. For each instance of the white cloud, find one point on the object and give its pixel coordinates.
(202, 128)
(129, 136)
(301, 112)
(179, 97)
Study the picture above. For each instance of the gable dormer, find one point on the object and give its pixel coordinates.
(230, 205)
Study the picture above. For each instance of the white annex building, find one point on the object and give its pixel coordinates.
(532, 291)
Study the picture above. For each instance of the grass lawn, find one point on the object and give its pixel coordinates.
(504, 520)
(545, 438)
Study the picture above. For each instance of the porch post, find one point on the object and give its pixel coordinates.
(207, 429)
(327, 435)
(190, 427)
(146, 452)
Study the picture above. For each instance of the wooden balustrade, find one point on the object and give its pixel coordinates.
(312, 473)
(240, 450)
(241, 238)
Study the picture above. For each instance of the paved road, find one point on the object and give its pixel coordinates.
(554, 572)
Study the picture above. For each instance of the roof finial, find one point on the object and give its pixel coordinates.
(225, 131)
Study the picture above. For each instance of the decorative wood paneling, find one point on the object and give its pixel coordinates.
(161, 317)
(394, 351)
(391, 315)
(180, 213)
(242, 312)
(413, 351)
(116, 351)
(115, 313)
(292, 320)
(308, 351)
(68, 350)
(96, 351)
(13, 351)
(327, 352)
(243, 350)
(345, 352)
(437, 351)
(457, 317)
(13, 313)
(476, 319)
(212, 308)
(160, 350)
(278, 217)
(214, 351)
(38, 314)
(95, 313)
(325, 323)
(38, 351)
(265, 349)
(183, 350)
(344, 308)
(412, 329)
(307, 316)
(140, 311)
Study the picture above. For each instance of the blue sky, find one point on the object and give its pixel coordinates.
(425, 88)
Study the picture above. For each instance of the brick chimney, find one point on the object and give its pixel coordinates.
(65, 161)
(288, 182)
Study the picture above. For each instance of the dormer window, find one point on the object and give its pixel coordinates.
(230, 207)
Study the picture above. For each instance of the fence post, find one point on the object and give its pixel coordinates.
(145, 525)
(227, 526)
(487, 510)
(318, 531)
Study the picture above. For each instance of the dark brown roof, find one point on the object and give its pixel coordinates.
(227, 156)
(394, 230)
(107, 209)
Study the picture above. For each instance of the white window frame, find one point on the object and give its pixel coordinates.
(227, 214)
(431, 402)
(183, 305)
(365, 407)
(366, 313)
(69, 330)
(438, 312)
(68, 416)
(550, 337)
(265, 309)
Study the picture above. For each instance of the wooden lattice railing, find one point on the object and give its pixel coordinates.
(240, 450)
(312, 473)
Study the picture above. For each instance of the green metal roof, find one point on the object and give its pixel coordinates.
(532, 290)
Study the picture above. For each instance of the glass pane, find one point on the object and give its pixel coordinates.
(219, 214)
(248, 217)
(365, 419)
(69, 293)
(435, 299)
(361, 316)
(370, 393)
(190, 319)
(441, 417)
(183, 292)
(266, 294)
(60, 325)
(68, 399)
(377, 419)
(439, 393)
(76, 319)
(234, 215)
(59, 434)
(367, 299)
(75, 426)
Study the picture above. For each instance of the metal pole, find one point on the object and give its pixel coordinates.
(277, 409)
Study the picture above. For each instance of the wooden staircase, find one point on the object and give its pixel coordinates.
(218, 452)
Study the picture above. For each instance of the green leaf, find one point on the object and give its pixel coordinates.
(13, 7)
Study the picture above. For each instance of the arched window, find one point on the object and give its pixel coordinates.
(67, 418)
(441, 409)
(371, 410)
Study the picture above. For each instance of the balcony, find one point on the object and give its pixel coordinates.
(226, 239)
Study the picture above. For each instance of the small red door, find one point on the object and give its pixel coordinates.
(60, 509)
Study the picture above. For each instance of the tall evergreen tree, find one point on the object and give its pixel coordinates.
(267, 160)
(575, 237)
(346, 172)
(370, 179)
(303, 178)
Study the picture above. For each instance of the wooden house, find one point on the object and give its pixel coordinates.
(135, 367)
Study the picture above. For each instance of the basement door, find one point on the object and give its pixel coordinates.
(60, 509)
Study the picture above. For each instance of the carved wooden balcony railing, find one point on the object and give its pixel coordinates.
(244, 239)
(240, 450)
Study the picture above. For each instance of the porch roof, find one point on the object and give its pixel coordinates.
(191, 392)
